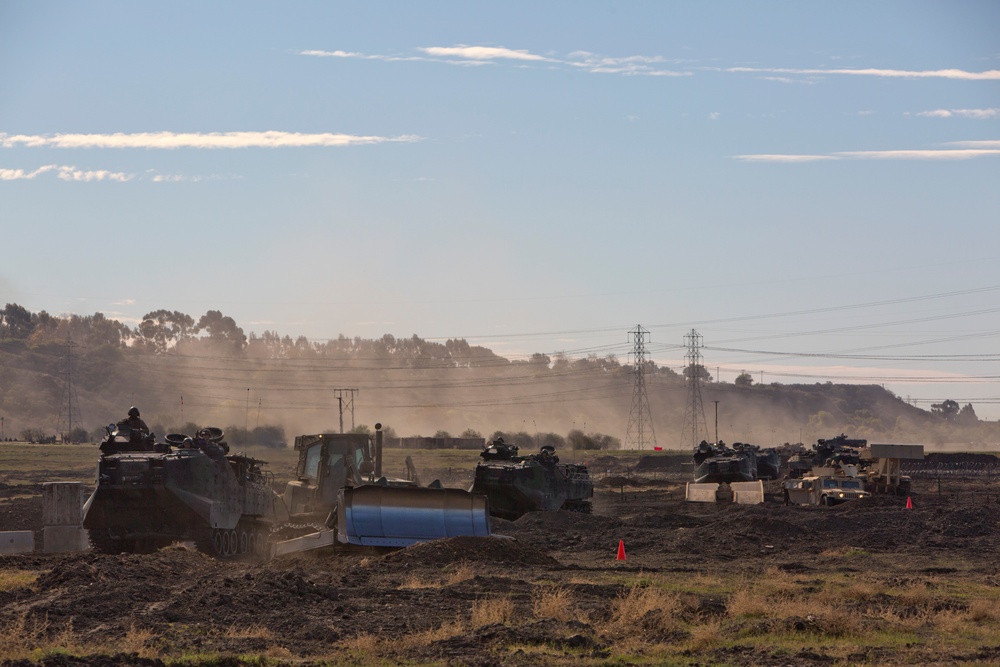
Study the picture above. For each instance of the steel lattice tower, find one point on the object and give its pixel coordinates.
(640, 420)
(694, 413)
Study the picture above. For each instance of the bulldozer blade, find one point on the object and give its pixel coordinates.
(323, 538)
(398, 516)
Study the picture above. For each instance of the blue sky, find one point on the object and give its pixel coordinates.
(812, 186)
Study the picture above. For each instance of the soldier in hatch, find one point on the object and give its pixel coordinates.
(134, 422)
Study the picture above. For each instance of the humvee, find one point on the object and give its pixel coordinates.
(823, 487)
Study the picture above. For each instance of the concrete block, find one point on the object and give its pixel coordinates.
(17, 542)
(748, 493)
(62, 503)
(61, 539)
(700, 493)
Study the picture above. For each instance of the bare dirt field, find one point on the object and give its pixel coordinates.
(855, 584)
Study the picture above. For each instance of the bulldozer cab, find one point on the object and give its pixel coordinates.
(327, 463)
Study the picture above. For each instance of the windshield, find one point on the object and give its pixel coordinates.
(311, 469)
(850, 484)
(829, 484)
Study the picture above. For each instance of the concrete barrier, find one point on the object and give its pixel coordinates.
(62, 503)
(748, 493)
(700, 493)
(61, 539)
(62, 516)
(17, 542)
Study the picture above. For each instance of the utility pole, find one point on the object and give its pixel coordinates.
(340, 394)
(640, 419)
(716, 422)
(694, 413)
(70, 399)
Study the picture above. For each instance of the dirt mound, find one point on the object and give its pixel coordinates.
(498, 550)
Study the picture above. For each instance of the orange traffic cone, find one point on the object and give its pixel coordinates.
(621, 550)
(909, 503)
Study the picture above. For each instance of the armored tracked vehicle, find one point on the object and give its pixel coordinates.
(516, 485)
(151, 494)
(721, 464)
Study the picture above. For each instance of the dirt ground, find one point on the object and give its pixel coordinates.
(427, 604)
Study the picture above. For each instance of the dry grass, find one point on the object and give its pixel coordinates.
(644, 608)
(364, 643)
(462, 572)
(491, 610)
(24, 638)
(13, 579)
(748, 602)
(137, 640)
(455, 575)
(983, 611)
(425, 638)
(706, 636)
(553, 602)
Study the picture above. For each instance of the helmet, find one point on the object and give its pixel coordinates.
(188, 443)
(133, 411)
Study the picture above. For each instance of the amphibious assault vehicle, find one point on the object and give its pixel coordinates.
(516, 485)
(151, 494)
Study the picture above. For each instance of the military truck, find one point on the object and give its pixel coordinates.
(824, 486)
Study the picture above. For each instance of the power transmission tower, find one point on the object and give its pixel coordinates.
(640, 419)
(339, 395)
(70, 402)
(694, 413)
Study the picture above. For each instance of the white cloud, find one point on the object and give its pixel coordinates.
(74, 174)
(356, 55)
(21, 174)
(480, 53)
(66, 173)
(463, 54)
(978, 114)
(932, 154)
(989, 75)
(715, 115)
(171, 140)
(947, 154)
(989, 143)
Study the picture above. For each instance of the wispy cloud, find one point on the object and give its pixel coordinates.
(464, 54)
(988, 75)
(987, 143)
(172, 140)
(945, 154)
(65, 173)
(992, 148)
(480, 53)
(979, 114)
